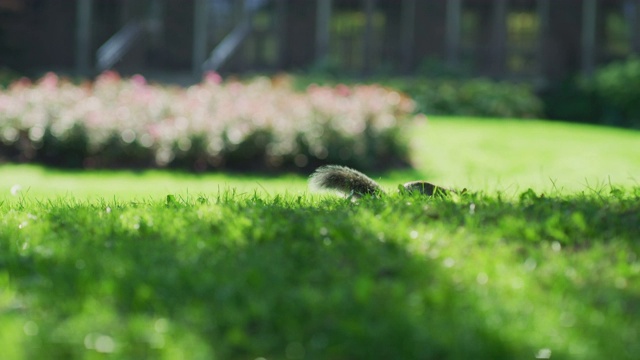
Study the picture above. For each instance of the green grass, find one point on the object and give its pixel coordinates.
(515, 155)
(37, 182)
(158, 265)
(488, 155)
(236, 277)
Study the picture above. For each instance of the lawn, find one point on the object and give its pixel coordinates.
(479, 154)
(158, 265)
(491, 155)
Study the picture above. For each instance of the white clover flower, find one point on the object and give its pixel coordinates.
(15, 189)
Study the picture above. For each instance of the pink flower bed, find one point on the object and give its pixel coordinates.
(261, 124)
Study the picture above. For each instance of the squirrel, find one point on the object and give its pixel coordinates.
(355, 184)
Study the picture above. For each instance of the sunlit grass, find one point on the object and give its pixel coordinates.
(37, 182)
(514, 155)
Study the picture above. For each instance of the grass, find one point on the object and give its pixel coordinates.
(478, 154)
(237, 276)
(38, 182)
(491, 155)
(156, 265)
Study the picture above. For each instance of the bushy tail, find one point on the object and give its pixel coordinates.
(345, 180)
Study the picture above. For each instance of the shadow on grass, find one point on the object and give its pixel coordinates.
(576, 221)
(238, 281)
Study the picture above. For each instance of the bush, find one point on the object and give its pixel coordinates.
(573, 99)
(475, 97)
(610, 97)
(7, 76)
(618, 84)
(455, 96)
(259, 125)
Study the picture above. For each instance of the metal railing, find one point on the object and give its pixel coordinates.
(231, 43)
(114, 49)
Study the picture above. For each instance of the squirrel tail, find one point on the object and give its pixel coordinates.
(345, 180)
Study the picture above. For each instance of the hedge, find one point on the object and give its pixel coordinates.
(261, 125)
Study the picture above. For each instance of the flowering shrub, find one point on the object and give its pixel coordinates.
(259, 125)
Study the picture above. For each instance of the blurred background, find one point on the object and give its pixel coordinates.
(539, 41)
(570, 60)
(555, 47)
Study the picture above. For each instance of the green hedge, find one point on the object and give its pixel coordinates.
(610, 97)
(7, 76)
(258, 125)
(470, 97)
(618, 85)
(473, 97)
